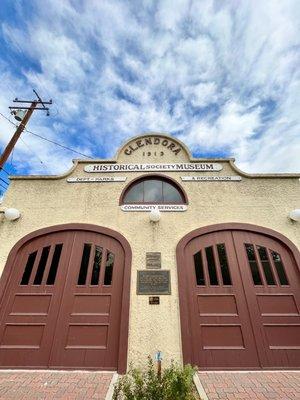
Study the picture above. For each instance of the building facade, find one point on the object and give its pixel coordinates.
(92, 279)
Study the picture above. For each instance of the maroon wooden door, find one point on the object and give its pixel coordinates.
(62, 303)
(220, 322)
(239, 302)
(272, 288)
(87, 330)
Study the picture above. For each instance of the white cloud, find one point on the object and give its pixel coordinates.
(223, 74)
(201, 94)
(169, 15)
(230, 131)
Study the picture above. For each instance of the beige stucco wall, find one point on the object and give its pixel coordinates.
(263, 201)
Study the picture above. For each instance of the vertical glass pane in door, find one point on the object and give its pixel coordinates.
(54, 264)
(41, 267)
(253, 264)
(264, 259)
(224, 264)
(96, 265)
(84, 263)
(109, 268)
(28, 268)
(199, 272)
(212, 271)
(279, 268)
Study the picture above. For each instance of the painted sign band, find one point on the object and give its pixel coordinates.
(153, 167)
(149, 207)
(97, 179)
(211, 178)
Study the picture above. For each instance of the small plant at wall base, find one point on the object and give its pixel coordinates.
(175, 383)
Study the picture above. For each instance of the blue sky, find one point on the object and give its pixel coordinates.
(223, 76)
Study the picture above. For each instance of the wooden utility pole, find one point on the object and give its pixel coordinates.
(17, 134)
(33, 106)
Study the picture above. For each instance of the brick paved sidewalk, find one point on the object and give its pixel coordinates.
(281, 385)
(58, 385)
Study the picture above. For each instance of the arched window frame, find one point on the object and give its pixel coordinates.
(160, 177)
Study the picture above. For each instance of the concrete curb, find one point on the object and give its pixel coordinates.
(199, 387)
(110, 391)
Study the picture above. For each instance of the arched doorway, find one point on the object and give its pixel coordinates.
(239, 288)
(65, 300)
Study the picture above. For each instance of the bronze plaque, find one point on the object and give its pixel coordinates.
(153, 282)
(153, 260)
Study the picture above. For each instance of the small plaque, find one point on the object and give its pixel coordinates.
(153, 282)
(154, 300)
(153, 260)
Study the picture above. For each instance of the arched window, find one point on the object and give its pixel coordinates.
(153, 190)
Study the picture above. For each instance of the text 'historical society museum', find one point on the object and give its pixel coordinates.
(152, 250)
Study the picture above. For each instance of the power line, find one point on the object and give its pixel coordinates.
(4, 181)
(48, 140)
(8, 120)
(34, 153)
(2, 169)
(57, 144)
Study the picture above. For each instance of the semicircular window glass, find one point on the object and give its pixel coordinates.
(153, 191)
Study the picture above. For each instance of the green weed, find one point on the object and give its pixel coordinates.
(175, 383)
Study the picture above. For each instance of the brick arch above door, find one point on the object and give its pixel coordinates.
(89, 228)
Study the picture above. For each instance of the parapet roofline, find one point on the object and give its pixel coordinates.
(114, 160)
(231, 162)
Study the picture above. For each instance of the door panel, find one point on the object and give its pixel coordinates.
(87, 330)
(274, 300)
(62, 305)
(221, 328)
(29, 311)
(242, 291)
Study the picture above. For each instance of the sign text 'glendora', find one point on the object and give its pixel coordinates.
(164, 142)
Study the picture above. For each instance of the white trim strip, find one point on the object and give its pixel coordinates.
(97, 179)
(211, 178)
(110, 392)
(199, 387)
